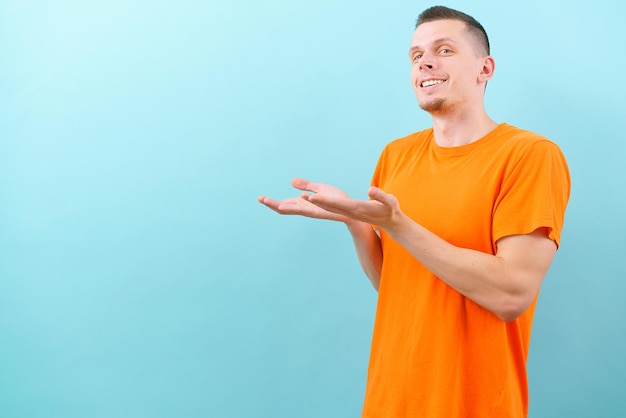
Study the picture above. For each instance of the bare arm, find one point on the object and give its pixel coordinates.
(505, 283)
(368, 250)
(366, 241)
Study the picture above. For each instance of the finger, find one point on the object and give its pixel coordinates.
(379, 195)
(270, 203)
(305, 185)
(296, 207)
(357, 210)
(264, 199)
(343, 206)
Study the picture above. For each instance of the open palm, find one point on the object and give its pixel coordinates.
(300, 206)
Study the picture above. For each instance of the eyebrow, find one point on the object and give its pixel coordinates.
(437, 41)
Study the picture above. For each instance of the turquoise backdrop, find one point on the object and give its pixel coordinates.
(139, 277)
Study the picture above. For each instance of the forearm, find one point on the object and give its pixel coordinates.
(368, 250)
(505, 285)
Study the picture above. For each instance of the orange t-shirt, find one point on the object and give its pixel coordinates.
(436, 353)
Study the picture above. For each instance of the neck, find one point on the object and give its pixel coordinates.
(455, 130)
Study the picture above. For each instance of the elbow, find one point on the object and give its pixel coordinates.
(514, 301)
(508, 315)
(511, 308)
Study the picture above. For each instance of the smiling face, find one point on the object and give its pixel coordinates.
(449, 70)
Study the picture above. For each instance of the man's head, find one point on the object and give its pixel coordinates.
(450, 62)
(474, 28)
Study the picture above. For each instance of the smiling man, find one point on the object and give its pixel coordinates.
(463, 222)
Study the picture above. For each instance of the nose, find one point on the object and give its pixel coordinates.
(426, 62)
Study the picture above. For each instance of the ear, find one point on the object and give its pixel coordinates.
(487, 70)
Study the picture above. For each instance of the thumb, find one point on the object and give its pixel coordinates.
(385, 198)
(302, 184)
(376, 194)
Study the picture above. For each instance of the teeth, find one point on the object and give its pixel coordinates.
(428, 83)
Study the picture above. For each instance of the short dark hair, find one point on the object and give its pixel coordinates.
(473, 26)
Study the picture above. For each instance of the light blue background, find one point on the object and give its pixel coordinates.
(140, 278)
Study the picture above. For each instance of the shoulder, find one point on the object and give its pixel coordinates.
(534, 155)
(403, 150)
(513, 137)
(515, 143)
(411, 141)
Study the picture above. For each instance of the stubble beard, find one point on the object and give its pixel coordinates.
(434, 106)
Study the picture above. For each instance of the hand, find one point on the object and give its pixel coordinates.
(301, 206)
(382, 210)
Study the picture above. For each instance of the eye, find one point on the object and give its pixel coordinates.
(417, 56)
(445, 51)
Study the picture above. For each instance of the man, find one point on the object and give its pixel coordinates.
(462, 224)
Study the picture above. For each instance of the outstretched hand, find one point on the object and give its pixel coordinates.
(381, 210)
(300, 205)
(323, 201)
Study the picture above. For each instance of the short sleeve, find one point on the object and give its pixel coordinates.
(534, 193)
(378, 171)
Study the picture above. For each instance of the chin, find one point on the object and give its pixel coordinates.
(434, 106)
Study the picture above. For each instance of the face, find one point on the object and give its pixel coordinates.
(447, 71)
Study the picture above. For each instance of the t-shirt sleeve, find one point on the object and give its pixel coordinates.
(378, 171)
(534, 193)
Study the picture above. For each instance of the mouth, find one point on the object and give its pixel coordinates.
(431, 82)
